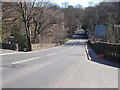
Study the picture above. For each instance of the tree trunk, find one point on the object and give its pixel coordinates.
(29, 48)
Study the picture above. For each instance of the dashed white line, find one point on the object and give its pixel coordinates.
(36, 57)
(25, 60)
(29, 52)
(51, 54)
(39, 57)
(35, 51)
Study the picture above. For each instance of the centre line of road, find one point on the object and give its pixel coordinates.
(25, 60)
(39, 57)
(33, 51)
(51, 54)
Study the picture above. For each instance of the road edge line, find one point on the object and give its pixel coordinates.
(87, 52)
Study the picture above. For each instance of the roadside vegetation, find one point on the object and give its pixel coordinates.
(33, 23)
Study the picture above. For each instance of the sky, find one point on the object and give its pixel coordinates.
(84, 3)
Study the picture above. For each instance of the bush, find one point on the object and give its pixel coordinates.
(22, 43)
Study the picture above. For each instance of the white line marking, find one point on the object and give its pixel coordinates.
(11, 53)
(37, 51)
(67, 49)
(88, 53)
(29, 52)
(51, 54)
(40, 50)
(25, 60)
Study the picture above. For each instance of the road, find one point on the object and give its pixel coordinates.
(65, 66)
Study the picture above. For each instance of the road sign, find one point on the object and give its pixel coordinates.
(100, 30)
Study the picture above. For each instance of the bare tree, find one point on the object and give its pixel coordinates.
(27, 11)
(41, 18)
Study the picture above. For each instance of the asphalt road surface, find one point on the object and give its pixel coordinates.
(65, 66)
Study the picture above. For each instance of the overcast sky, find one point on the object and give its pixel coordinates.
(84, 3)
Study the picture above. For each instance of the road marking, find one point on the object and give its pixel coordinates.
(37, 57)
(51, 54)
(37, 51)
(10, 53)
(27, 71)
(40, 50)
(87, 52)
(25, 60)
(29, 52)
(67, 49)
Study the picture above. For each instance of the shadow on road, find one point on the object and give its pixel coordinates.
(95, 58)
(75, 43)
(77, 54)
(76, 40)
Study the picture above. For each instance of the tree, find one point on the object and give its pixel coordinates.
(41, 18)
(105, 13)
(65, 4)
(72, 18)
